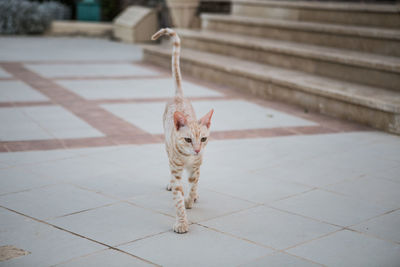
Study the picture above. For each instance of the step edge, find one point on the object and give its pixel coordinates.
(304, 52)
(356, 31)
(335, 6)
(337, 95)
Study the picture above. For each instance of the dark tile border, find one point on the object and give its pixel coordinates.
(25, 104)
(119, 132)
(148, 100)
(85, 78)
(32, 145)
(95, 116)
(73, 62)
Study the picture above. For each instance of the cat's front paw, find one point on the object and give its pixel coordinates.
(181, 227)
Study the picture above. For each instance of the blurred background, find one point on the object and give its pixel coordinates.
(34, 16)
(303, 164)
(350, 48)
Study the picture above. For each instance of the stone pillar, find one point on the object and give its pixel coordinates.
(135, 24)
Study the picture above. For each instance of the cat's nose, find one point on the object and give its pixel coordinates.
(197, 151)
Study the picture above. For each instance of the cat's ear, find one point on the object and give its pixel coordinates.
(179, 120)
(206, 119)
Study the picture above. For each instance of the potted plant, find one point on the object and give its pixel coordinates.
(183, 12)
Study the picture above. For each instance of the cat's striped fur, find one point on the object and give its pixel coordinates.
(185, 139)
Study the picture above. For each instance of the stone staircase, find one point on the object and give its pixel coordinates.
(340, 59)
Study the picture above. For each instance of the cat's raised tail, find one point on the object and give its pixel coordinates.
(176, 71)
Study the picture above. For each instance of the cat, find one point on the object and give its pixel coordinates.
(185, 139)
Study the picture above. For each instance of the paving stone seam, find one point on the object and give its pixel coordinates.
(374, 217)
(147, 208)
(232, 196)
(292, 195)
(39, 125)
(316, 156)
(13, 165)
(359, 199)
(94, 191)
(199, 223)
(79, 235)
(302, 258)
(304, 216)
(313, 239)
(79, 257)
(142, 238)
(237, 237)
(28, 189)
(159, 193)
(346, 227)
(271, 201)
(340, 228)
(284, 211)
(131, 201)
(115, 200)
(270, 205)
(227, 214)
(82, 211)
(325, 187)
(282, 252)
(370, 235)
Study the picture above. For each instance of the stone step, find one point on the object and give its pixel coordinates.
(377, 15)
(75, 28)
(369, 69)
(363, 39)
(376, 107)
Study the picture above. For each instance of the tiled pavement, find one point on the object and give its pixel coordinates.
(83, 170)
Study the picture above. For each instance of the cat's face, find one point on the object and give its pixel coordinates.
(192, 137)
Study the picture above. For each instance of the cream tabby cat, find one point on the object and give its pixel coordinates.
(185, 139)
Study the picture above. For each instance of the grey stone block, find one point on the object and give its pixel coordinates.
(116, 224)
(53, 201)
(347, 248)
(270, 227)
(109, 258)
(46, 245)
(203, 247)
(329, 207)
(385, 227)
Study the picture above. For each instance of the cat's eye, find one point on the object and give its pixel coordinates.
(189, 140)
(203, 139)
